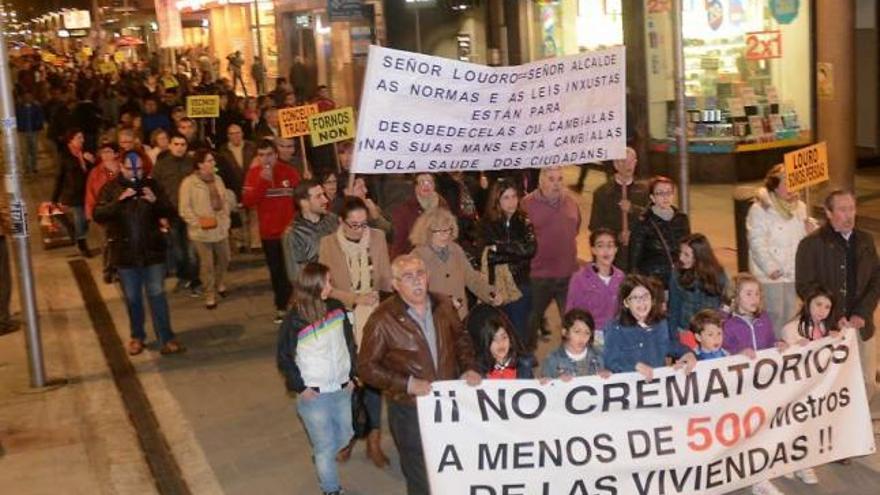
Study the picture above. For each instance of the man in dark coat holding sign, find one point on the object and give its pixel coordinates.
(842, 259)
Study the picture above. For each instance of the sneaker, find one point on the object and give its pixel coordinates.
(808, 476)
(196, 292)
(765, 488)
(279, 317)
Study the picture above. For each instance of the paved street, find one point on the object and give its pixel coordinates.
(221, 406)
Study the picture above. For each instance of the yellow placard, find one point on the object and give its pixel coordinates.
(332, 127)
(106, 67)
(203, 106)
(294, 121)
(119, 57)
(48, 57)
(806, 166)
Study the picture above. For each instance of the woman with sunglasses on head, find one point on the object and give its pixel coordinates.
(449, 271)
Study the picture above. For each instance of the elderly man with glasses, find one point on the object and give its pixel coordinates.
(412, 339)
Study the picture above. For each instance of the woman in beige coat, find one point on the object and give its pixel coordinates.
(449, 271)
(205, 209)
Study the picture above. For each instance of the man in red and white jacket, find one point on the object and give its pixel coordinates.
(268, 187)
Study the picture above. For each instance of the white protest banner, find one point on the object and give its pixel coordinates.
(731, 423)
(424, 113)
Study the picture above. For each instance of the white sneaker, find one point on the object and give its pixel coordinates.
(765, 488)
(808, 476)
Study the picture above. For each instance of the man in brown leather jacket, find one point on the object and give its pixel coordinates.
(412, 339)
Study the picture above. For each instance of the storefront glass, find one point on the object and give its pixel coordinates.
(566, 27)
(264, 35)
(747, 72)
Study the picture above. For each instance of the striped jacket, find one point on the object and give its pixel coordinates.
(318, 354)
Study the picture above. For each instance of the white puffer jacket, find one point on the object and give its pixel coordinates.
(773, 240)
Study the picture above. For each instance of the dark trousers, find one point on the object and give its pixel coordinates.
(182, 257)
(404, 423)
(278, 273)
(5, 283)
(544, 291)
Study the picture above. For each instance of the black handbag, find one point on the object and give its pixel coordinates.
(359, 417)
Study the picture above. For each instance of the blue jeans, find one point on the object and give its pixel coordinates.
(30, 151)
(327, 420)
(373, 405)
(134, 280)
(518, 311)
(80, 222)
(182, 258)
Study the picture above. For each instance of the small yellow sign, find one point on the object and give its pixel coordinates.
(119, 57)
(203, 106)
(332, 127)
(294, 121)
(806, 166)
(48, 57)
(106, 67)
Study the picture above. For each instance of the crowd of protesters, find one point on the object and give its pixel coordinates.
(382, 285)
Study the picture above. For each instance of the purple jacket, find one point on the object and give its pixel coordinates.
(740, 334)
(587, 291)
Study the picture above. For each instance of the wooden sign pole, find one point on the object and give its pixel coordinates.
(307, 173)
(625, 216)
(336, 154)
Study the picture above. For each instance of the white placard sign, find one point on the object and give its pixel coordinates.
(731, 423)
(424, 113)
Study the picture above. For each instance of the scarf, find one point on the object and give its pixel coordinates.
(442, 253)
(216, 200)
(664, 213)
(428, 203)
(357, 261)
(466, 205)
(786, 209)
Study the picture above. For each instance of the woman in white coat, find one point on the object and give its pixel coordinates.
(776, 223)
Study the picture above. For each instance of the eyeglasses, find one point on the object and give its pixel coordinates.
(640, 298)
(413, 277)
(663, 193)
(357, 226)
(447, 230)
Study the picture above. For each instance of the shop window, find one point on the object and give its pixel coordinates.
(566, 27)
(747, 72)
